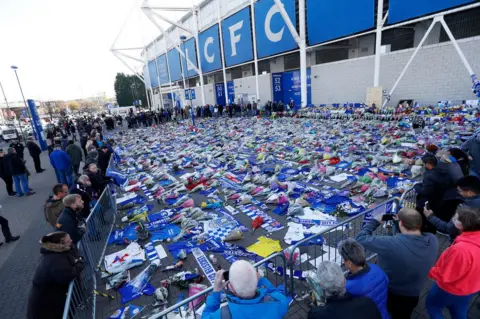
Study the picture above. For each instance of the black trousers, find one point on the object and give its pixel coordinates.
(401, 307)
(9, 184)
(38, 164)
(5, 229)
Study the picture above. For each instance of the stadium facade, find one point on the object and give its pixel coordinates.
(314, 52)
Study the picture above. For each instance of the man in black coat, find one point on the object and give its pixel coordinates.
(18, 147)
(436, 182)
(59, 265)
(16, 165)
(103, 159)
(6, 174)
(99, 182)
(70, 220)
(83, 187)
(338, 303)
(35, 152)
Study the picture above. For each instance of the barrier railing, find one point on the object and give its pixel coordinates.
(409, 198)
(326, 245)
(188, 307)
(80, 301)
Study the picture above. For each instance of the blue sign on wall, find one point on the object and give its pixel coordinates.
(174, 64)
(152, 71)
(210, 49)
(273, 36)
(163, 69)
(290, 87)
(237, 38)
(220, 93)
(277, 82)
(189, 49)
(328, 20)
(192, 94)
(231, 92)
(400, 10)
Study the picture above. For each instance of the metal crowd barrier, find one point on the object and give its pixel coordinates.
(409, 198)
(328, 250)
(188, 307)
(80, 301)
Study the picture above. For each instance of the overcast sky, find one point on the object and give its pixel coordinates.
(62, 47)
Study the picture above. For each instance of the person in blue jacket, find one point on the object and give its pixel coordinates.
(364, 279)
(249, 295)
(62, 165)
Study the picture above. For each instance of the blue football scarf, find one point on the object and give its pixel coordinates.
(205, 265)
(311, 222)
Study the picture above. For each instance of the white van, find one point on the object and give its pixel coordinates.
(8, 133)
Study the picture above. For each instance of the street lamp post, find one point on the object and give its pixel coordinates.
(14, 68)
(6, 102)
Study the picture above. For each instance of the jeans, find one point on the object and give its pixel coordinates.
(65, 176)
(17, 179)
(438, 299)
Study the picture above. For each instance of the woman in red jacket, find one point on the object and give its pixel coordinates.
(457, 270)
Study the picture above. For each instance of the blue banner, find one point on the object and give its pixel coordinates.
(273, 36)
(210, 49)
(37, 125)
(277, 82)
(174, 64)
(192, 94)
(152, 71)
(163, 69)
(328, 20)
(400, 10)
(286, 87)
(187, 94)
(190, 50)
(237, 38)
(220, 93)
(231, 92)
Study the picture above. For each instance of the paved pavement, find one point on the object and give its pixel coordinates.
(18, 260)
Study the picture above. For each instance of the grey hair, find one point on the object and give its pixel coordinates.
(352, 251)
(83, 178)
(69, 200)
(10, 150)
(330, 276)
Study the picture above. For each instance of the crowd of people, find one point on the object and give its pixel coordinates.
(66, 211)
(448, 202)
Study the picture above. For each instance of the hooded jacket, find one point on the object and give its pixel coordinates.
(406, 259)
(472, 148)
(269, 303)
(370, 282)
(52, 209)
(58, 266)
(458, 268)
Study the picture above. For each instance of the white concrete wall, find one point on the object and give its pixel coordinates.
(247, 86)
(209, 95)
(436, 73)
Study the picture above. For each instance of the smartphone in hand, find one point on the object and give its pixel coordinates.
(427, 205)
(225, 275)
(387, 217)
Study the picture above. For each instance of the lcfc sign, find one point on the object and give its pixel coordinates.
(273, 36)
(210, 49)
(237, 38)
